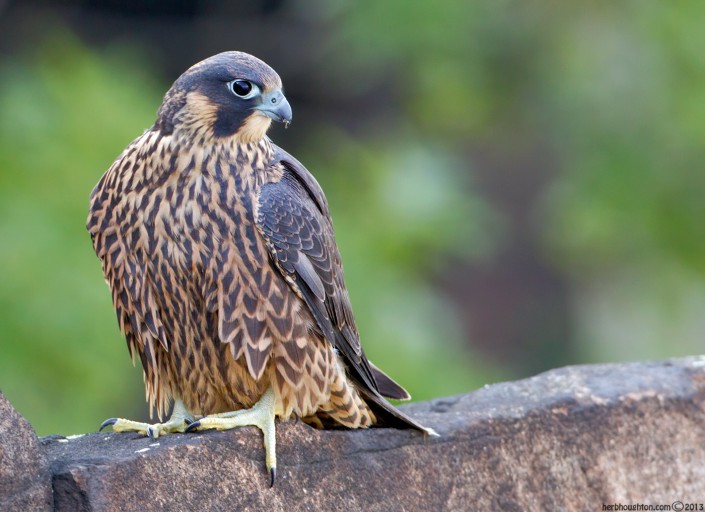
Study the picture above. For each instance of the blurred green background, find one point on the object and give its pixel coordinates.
(515, 186)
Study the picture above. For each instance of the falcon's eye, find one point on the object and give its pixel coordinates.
(243, 88)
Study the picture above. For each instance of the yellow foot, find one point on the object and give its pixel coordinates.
(261, 415)
(178, 422)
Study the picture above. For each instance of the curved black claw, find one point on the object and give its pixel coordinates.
(192, 426)
(188, 420)
(273, 474)
(108, 422)
(150, 432)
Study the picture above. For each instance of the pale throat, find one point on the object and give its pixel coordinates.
(253, 130)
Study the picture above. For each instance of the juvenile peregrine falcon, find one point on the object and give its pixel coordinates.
(226, 279)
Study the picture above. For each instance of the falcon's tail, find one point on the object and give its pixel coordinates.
(386, 386)
(389, 416)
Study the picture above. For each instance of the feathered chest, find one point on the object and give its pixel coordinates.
(196, 214)
(179, 210)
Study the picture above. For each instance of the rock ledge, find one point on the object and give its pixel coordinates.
(574, 438)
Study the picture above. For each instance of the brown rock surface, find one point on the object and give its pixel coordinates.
(569, 439)
(25, 482)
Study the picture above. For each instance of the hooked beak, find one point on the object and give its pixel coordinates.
(275, 106)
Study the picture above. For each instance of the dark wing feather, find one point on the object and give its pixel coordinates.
(293, 218)
(387, 387)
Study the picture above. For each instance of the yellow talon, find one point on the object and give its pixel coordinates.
(177, 423)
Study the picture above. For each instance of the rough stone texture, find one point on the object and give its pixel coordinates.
(25, 482)
(570, 439)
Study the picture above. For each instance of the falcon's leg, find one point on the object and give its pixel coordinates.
(261, 415)
(178, 421)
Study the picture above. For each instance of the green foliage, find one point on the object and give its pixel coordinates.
(632, 108)
(624, 218)
(615, 92)
(615, 89)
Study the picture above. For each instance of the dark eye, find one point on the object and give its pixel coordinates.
(243, 88)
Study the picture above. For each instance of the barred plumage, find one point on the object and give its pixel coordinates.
(219, 250)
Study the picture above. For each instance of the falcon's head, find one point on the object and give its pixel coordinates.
(232, 94)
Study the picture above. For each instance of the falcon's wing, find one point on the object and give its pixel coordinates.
(293, 218)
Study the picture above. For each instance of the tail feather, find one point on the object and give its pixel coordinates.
(389, 416)
(387, 387)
